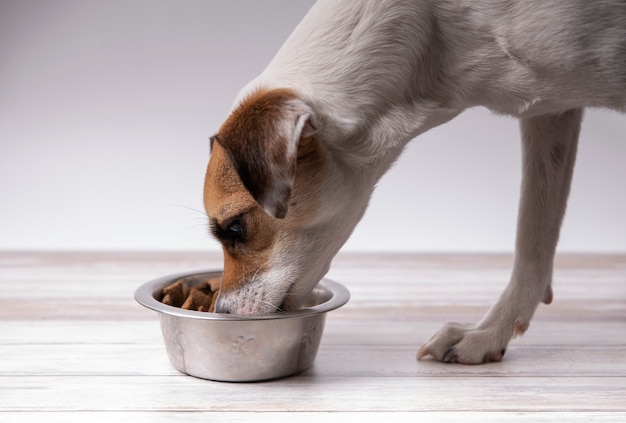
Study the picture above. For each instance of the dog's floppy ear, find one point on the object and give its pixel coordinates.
(261, 137)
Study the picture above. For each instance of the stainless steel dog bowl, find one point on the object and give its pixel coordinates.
(237, 348)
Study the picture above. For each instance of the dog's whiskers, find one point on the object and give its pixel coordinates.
(204, 225)
(202, 212)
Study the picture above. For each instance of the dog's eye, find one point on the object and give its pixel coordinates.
(231, 233)
(234, 229)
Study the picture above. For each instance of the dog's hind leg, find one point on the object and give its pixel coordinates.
(549, 153)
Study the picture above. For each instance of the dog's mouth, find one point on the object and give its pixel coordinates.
(240, 303)
(288, 304)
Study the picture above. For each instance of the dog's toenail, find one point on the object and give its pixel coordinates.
(502, 352)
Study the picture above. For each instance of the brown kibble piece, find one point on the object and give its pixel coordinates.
(212, 308)
(214, 283)
(200, 298)
(174, 294)
(204, 287)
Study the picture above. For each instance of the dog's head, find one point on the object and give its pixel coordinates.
(264, 190)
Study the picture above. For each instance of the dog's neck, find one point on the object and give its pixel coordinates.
(371, 99)
(375, 80)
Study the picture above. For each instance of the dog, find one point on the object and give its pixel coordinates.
(294, 164)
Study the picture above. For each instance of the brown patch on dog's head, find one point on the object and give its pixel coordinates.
(262, 160)
(261, 137)
(235, 220)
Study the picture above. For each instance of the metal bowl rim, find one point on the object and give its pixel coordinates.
(144, 295)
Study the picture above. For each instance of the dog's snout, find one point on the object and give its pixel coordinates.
(220, 307)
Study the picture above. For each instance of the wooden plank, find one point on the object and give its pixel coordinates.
(312, 417)
(343, 394)
(346, 329)
(609, 310)
(44, 332)
(392, 282)
(332, 361)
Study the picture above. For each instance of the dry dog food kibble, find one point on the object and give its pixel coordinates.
(200, 297)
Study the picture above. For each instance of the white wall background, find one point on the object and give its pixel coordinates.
(106, 107)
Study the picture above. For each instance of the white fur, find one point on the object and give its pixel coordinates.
(377, 73)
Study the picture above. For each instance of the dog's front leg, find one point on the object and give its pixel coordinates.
(549, 153)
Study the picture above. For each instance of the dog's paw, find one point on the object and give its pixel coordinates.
(465, 344)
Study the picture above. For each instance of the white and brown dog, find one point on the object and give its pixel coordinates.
(294, 165)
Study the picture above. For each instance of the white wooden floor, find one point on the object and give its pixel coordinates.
(74, 346)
